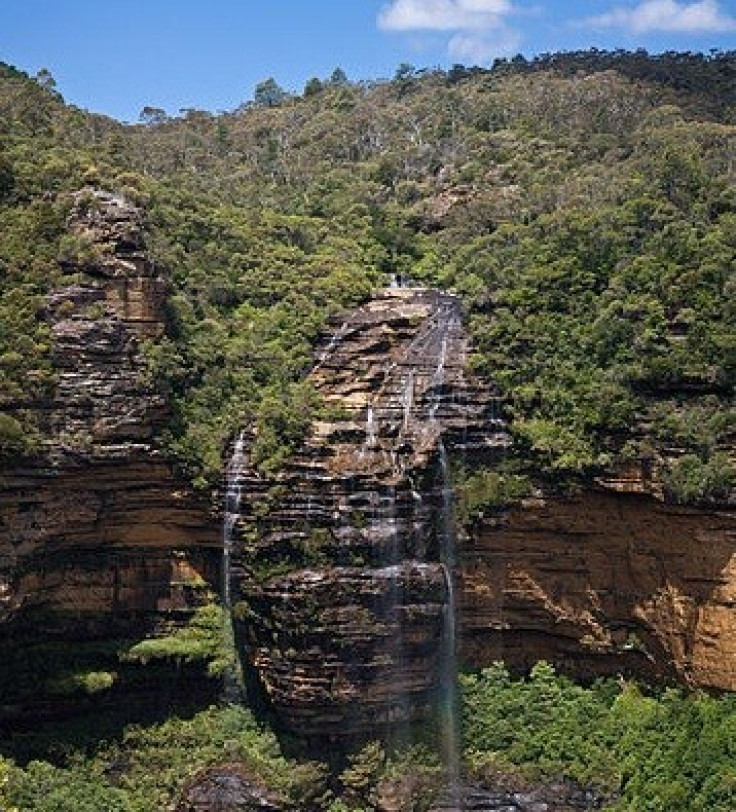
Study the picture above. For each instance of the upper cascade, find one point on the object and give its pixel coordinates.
(339, 569)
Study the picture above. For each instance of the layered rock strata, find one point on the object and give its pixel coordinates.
(338, 576)
(98, 536)
(604, 583)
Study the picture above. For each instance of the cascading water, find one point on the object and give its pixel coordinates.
(449, 709)
(371, 432)
(449, 705)
(351, 572)
(407, 400)
(233, 495)
(332, 344)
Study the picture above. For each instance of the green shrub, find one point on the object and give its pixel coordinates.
(692, 479)
(672, 751)
(203, 638)
(488, 491)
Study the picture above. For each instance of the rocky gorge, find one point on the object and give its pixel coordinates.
(355, 587)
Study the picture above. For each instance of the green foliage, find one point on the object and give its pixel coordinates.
(146, 769)
(269, 93)
(674, 751)
(44, 788)
(12, 436)
(203, 638)
(88, 682)
(360, 777)
(692, 479)
(284, 416)
(410, 778)
(580, 203)
(485, 491)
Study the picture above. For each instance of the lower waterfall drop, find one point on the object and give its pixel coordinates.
(231, 514)
(449, 730)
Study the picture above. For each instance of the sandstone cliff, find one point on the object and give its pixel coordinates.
(341, 574)
(341, 577)
(604, 583)
(100, 540)
(341, 582)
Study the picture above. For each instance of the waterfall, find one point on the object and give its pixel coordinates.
(371, 432)
(407, 399)
(335, 339)
(395, 554)
(233, 494)
(449, 701)
(438, 378)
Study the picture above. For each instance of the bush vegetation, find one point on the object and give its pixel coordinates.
(665, 752)
(581, 203)
(660, 752)
(145, 770)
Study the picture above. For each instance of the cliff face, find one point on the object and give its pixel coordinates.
(340, 574)
(341, 579)
(99, 538)
(342, 561)
(604, 583)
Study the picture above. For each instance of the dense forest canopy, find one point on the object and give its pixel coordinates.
(581, 203)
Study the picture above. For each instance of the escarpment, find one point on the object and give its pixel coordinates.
(100, 540)
(341, 576)
(340, 585)
(341, 589)
(604, 582)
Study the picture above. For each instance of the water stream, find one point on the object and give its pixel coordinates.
(407, 415)
(449, 709)
(334, 341)
(371, 431)
(448, 689)
(407, 400)
(233, 494)
(231, 509)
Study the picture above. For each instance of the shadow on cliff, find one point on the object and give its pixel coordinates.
(604, 583)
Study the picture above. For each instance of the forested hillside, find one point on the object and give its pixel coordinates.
(582, 204)
(582, 207)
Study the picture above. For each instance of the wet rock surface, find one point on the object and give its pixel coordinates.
(338, 579)
(555, 797)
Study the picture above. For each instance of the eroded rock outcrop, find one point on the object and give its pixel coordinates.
(98, 536)
(227, 788)
(603, 583)
(339, 580)
(340, 584)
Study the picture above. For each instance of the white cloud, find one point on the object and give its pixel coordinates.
(667, 16)
(478, 47)
(477, 27)
(442, 15)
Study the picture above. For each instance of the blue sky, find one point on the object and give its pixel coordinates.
(116, 56)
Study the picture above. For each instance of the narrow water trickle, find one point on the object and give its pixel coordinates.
(233, 494)
(407, 399)
(449, 700)
(335, 339)
(394, 555)
(371, 432)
